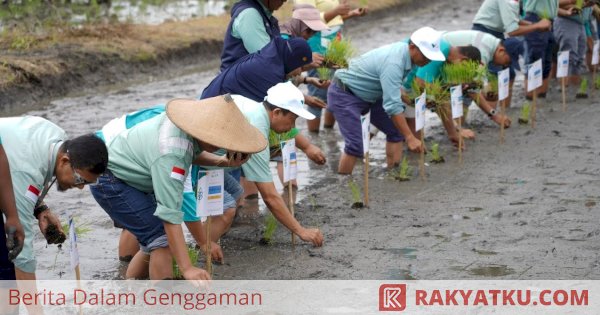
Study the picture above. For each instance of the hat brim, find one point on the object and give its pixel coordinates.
(218, 122)
(316, 25)
(301, 112)
(434, 55)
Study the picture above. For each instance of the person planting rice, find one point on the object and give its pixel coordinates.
(143, 187)
(372, 83)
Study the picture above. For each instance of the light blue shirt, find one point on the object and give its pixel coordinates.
(379, 74)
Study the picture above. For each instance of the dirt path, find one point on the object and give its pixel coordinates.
(524, 210)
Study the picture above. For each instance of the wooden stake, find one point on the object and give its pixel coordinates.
(460, 140)
(422, 166)
(564, 93)
(78, 277)
(593, 79)
(291, 201)
(367, 179)
(208, 247)
(503, 112)
(533, 108)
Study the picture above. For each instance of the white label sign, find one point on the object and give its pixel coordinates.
(290, 161)
(456, 99)
(73, 251)
(534, 75)
(420, 109)
(503, 83)
(365, 122)
(209, 193)
(562, 67)
(595, 53)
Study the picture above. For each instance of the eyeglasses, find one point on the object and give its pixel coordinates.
(79, 180)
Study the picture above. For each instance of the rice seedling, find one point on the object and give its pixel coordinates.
(579, 4)
(583, 88)
(355, 192)
(438, 95)
(324, 73)
(436, 158)
(193, 254)
(545, 14)
(525, 110)
(491, 89)
(80, 230)
(597, 83)
(466, 72)
(337, 54)
(270, 228)
(405, 171)
(363, 3)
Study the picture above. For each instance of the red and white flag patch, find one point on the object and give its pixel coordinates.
(32, 193)
(178, 173)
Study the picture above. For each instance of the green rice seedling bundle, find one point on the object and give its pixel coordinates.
(337, 54)
(405, 171)
(270, 228)
(435, 154)
(324, 73)
(193, 254)
(524, 118)
(355, 191)
(491, 90)
(466, 72)
(583, 88)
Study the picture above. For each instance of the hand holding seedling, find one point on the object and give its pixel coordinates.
(315, 154)
(311, 235)
(216, 252)
(357, 12)
(456, 142)
(467, 134)
(51, 228)
(195, 274)
(343, 8)
(414, 144)
(14, 238)
(317, 60)
(321, 84)
(500, 118)
(236, 159)
(314, 102)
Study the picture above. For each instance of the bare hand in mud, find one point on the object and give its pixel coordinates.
(14, 237)
(467, 133)
(499, 119)
(321, 84)
(51, 228)
(195, 274)
(236, 159)
(312, 235)
(315, 154)
(456, 143)
(314, 102)
(414, 144)
(216, 252)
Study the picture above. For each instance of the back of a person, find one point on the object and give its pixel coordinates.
(486, 43)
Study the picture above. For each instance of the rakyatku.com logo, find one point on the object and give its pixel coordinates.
(392, 297)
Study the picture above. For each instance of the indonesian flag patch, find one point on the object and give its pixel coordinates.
(32, 193)
(178, 173)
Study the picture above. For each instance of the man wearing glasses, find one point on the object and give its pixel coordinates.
(40, 155)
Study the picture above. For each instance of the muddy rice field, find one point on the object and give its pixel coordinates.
(526, 209)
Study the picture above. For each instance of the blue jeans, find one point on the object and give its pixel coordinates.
(514, 48)
(316, 92)
(130, 208)
(539, 45)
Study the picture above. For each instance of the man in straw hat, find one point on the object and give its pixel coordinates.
(143, 187)
(372, 83)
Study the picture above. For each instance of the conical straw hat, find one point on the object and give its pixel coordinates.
(216, 121)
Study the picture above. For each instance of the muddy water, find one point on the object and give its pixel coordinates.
(523, 210)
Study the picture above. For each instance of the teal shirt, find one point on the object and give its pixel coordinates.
(499, 15)
(257, 168)
(542, 7)
(248, 26)
(31, 145)
(379, 74)
(148, 156)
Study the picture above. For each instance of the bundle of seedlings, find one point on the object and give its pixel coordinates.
(338, 53)
(491, 88)
(193, 254)
(583, 88)
(524, 118)
(405, 171)
(356, 199)
(270, 228)
(437, 96)
(324, 73)
(469, 74)
(597, 83)
(436, 158)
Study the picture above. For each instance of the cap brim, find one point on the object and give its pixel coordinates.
(434, 55)
(301, 112)
(316, 25)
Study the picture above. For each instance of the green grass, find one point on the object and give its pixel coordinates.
(338, 52)
(355, 191)
(270, 228)
(583, 87)
(22, 42)
(324, 73)
(466, 72)
(193, 254)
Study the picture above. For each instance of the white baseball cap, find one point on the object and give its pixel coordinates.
(428, 41)
(288, 96)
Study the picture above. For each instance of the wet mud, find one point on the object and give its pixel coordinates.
(527, 209)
